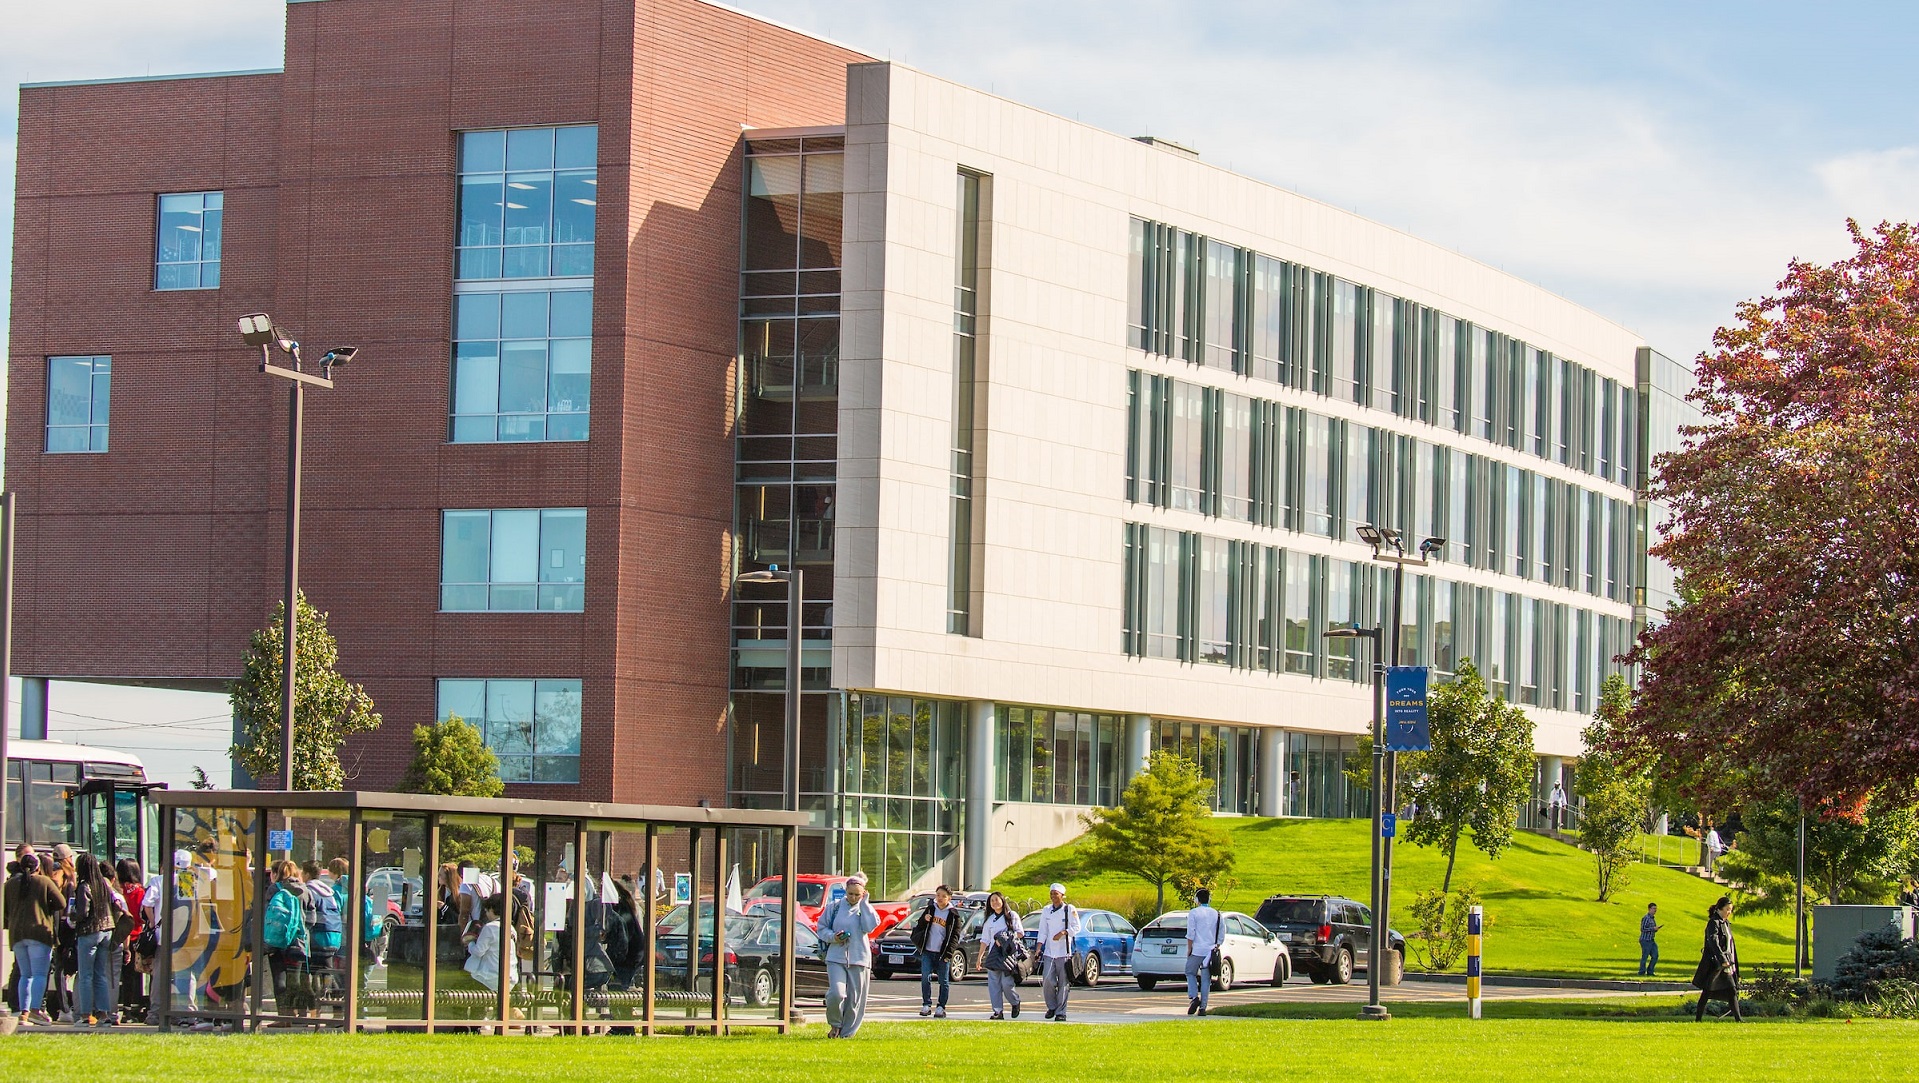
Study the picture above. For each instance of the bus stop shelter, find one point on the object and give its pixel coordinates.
(617, 918)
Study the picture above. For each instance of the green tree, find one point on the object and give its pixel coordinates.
(1479, 770)
(451, 758)
(1847, 861)
(1616, 796)
(327, 708)
(1160, 830)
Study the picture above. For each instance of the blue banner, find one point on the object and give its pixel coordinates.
(1406, 728)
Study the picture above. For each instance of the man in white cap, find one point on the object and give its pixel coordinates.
(844, 926)
(1058, 929)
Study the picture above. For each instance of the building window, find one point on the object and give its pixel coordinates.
(532, 726)
(187, 256)
(1226, 756)
(900, 769)
(77, 403)
(1056, 757)
(513, 560)
(521, 366)
(527, 200)
(1316, 783)
(963, 520)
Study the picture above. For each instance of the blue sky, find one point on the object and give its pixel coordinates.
(1656, 162)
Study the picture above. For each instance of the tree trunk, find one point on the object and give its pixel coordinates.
(1159, 901)
(1452, 853)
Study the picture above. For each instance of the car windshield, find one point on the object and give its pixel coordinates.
(810, 894)
(1167, 925)
(1289, 912)
(757, 931)
(675, 919)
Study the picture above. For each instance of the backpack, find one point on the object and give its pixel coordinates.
(323, 915)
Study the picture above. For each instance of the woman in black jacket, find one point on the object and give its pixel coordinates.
(1718, 973)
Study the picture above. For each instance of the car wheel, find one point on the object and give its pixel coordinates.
(762, 989)
(956, 967)
(1090, 976)
(1224, 983)
(882, 975)
(1319, 976)
(1343, 967)
(1282, 970)
(1146, 983)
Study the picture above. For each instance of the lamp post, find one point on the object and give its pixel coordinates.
(1799, 900)
(794, 579)
(1373, 1009)
(258, 329)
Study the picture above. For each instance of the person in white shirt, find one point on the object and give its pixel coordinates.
(1556, 803)
(1058, 928)
(1203, 929)
(1001, 932)
(844, 925)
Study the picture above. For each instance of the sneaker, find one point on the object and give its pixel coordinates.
(39, 1017)
(1202, 1011)
(925, 1010)
(66, 1017)
(996, 1015)
(1192, 1005)
(1049, 1013)
(939, 1012)
(1060, 1018)
(1015, 1003)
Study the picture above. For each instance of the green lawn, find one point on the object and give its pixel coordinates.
(1539, 895)
(1636, 1007)
(1210, 1049)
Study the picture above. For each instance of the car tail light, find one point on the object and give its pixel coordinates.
(732, 959)
(1325, 934)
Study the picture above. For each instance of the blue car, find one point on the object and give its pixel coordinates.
(1105, 941)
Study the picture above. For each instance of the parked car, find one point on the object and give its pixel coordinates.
(894, 953)
(752, 960)
(812, 890)
(1105, 940)
(1328, 936)
(1248, 952)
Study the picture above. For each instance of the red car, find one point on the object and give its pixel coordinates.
(811, 891)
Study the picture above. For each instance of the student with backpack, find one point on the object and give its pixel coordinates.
(325, 929)
(1003, 936)
(1058, 932)
(287, 940)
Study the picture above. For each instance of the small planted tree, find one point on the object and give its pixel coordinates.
(451, 758)
(1160, 830)
(1616, 796)
(327, 708)
(1479, 770)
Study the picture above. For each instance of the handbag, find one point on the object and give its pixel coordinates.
(1213, 957)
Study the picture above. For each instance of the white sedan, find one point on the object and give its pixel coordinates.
(1248, 952)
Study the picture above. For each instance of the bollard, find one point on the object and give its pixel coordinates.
(1475, 919)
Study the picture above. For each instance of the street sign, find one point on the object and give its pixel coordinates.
(1406, 728)
(280, 841)
(1388, 825)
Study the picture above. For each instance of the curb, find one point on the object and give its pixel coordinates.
(1521, 982)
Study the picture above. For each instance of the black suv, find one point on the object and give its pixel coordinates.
(1327, 936)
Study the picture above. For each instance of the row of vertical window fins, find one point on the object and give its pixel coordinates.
(1194, 598)
(1200, 449)
(1233, 309)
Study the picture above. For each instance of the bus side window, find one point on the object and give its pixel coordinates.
(16, 803)
(48, 809)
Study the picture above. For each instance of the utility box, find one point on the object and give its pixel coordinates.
(1836, 928)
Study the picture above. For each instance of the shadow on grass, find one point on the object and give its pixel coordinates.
(1649, 1009)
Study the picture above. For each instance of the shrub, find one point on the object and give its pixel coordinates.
(1439, 935)
(1878, 956)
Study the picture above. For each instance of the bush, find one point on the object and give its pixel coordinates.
(1439, 935)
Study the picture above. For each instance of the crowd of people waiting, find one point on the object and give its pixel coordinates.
(76, 926)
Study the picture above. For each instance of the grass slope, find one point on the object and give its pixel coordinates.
(1541, 915)
(1428, 1050)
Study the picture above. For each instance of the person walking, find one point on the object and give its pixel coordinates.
(1718, 973)
(1648, 940)
(1556, 803)
(1003, 936)
(287, 940)
(34, 905)
(1203, 929)
(932, 935)
(326, 929)
(844, 925)
(92, 912)
(1058, 932)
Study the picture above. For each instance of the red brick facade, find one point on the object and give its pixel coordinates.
(157, 559)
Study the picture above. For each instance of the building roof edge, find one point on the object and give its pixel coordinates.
(154, 78)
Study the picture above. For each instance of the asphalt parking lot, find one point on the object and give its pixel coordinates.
(1120, 1000)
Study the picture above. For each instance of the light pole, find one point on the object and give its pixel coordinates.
(258, 329)
(1799, 900)
(794, 579)
(1373, 1009)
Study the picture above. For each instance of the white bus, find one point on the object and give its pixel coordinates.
(93, 799)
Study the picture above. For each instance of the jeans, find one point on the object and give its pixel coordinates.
(33, 958)
(1648, 957)
(1002, 991)
(846, 988)
(1056, 983)
(1199, 979)
(929, 963)
(92, 995)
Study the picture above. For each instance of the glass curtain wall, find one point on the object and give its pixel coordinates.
(1226, 755)
(902, 804)
(1057, 757)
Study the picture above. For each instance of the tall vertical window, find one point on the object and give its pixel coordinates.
(1165, 569)
(1188, 448)
(1214, 601)
(1301, 581)
(1221, 289)
(1383, 353)
(187, 256)
(1445, 660)
(1269, 301)
(77, 395)
(1234, 475)
(966, 311)
(527, 203)
(1348, 371)
(513, 560)
(1342, 609)
(1315, 472)
(532, 726)
(521, 366)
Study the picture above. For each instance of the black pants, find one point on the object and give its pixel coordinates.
(1715, 990)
